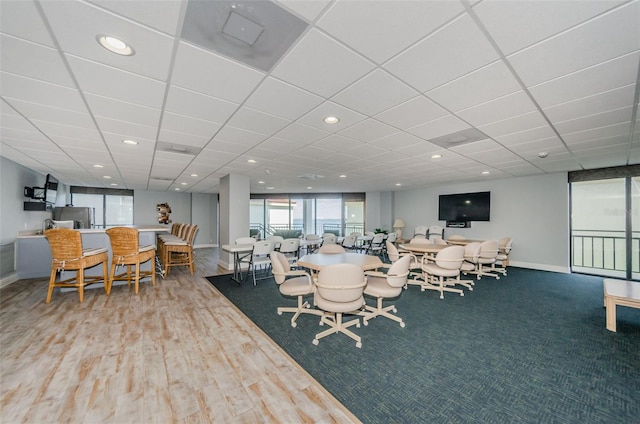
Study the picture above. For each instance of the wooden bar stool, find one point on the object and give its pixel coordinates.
(128, 252)
(68, 255)
(180, 253)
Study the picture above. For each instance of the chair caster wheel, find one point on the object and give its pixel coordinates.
(359, 344)
(402, 324)
(315, 342)
(279, 312)
(365, 322)
(395, 311)
(498, 277)
(294, 324)
(461, 294)
(358, 324)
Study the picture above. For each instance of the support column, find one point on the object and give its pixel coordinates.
(234, 213)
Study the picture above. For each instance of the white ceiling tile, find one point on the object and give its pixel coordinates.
(397, 141)
(35, 111)
(526, 136)
(375, 93)
(185, 139)
(609, 36)
(78, 37)
(164, 17)
(597, 133)
(268, 98)
(54, 129)
(91, 77)
(190, 103)
(122, 111)
(368, 130)
(603, 77)
(550, 145)
(515, 25)
(439, 127)
(485, 84)
(315, 118)
(214, 75)
(33, 60)
(128, 129)
(411, 113)
(615, 141)
(594, 121)
(308, 9)
(476, 147)
(188, 125)
(452, 51)
(240, 137)
(30, 90)
(590, 105)
(22, 19)
(513, 125)
(302, 134)
(258, 122)
(336, 143)
(321, 65)
(505, 107)
(365, 26)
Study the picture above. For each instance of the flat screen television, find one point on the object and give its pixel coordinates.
(50, 189)
(464, 207)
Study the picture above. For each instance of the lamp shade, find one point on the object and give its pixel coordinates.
(398, 223)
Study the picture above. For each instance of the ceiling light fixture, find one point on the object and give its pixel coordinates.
(177, 189)
(270, 188)
(398, 184)
(343, 176)
(309, 188)
(107, 177)
(114, 184)
(543, 155)
(194, 175)
(183, 183)
(132, 142)
(331, 120)
(252, 161)
(260, 182)
(436, 156)
(115, 45)
(486, 172)
(98, 166)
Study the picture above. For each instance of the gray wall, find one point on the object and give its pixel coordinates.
(534, 211)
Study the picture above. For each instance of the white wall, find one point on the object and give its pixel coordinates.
(204, 213)
(534, 211)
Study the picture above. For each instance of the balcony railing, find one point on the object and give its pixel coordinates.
(604, 250)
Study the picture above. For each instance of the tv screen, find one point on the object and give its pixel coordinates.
(465, 207)
(50, 189)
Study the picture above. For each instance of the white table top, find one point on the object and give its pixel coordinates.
(316, 261)
(422, 247)
(233, 248)
(622, 288)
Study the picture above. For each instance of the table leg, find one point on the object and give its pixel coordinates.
(611, 313)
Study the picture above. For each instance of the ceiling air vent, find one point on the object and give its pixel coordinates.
(182, 149)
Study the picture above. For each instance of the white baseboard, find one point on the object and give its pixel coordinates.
(541, 267)
(8, 279)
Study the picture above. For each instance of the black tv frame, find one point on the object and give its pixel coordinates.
(456, 202)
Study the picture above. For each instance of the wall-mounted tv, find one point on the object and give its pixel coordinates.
(465, 207)
(50, 189)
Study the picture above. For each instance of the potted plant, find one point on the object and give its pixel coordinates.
(380, 230)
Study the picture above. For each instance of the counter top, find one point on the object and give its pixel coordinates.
(141, 228)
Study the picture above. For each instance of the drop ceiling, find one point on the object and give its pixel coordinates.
(403, 77)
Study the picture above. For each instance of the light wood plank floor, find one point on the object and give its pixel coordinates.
(178, 352)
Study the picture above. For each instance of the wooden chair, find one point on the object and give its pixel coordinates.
(68, 255)
(127, 251)
(180, 253)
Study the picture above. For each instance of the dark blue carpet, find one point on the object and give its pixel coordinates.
(531, 347)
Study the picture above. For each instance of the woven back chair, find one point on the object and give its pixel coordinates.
(180, 253)
(68, 255)
(127, 252)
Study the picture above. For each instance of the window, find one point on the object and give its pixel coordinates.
(112, 207)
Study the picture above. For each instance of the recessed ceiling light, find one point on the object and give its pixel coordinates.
(129, 142)
(98, 166)
(343, 176)
(486, 172)
(252, 161)
(331, 120)
(436, 156)
(177, 189)
(309, 188)
(270, 188)
(543, 155)
(194, 175)
(114, 184)
(260, 182)
(115, 45)
(107, 177)
(183, 183)
(398, 184)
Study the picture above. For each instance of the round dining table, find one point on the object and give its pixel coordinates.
(316, 261)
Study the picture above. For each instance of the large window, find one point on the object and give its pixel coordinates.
(112, 207)
(605, 222)
(306, 214)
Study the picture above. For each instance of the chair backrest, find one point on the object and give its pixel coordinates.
(377, 239)
(290, 245)
(505, 244)
(174, 228)
(312, 237)
(435, 232)
(450, 257)
(280, 266)
(455, 237)
(342, 283)
(262, 247)
(349, 241)
(245, 240)
(331, 248)
(275, 239)
(421, 230)
(124, 241)
(392, 237)
(329, 238)
(356, 234)
(369, 233)
(489, 249)
(193, 229)
(472, 252)
(392, 252)
(66, 244)
(399, 271)
(184, 231)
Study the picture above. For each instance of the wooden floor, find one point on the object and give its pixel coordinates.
(178, 352)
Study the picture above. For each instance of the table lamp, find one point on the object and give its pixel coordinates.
(398, 225)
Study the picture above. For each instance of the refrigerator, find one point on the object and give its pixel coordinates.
(81, 217)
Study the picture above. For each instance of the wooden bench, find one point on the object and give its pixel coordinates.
(619, 292)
